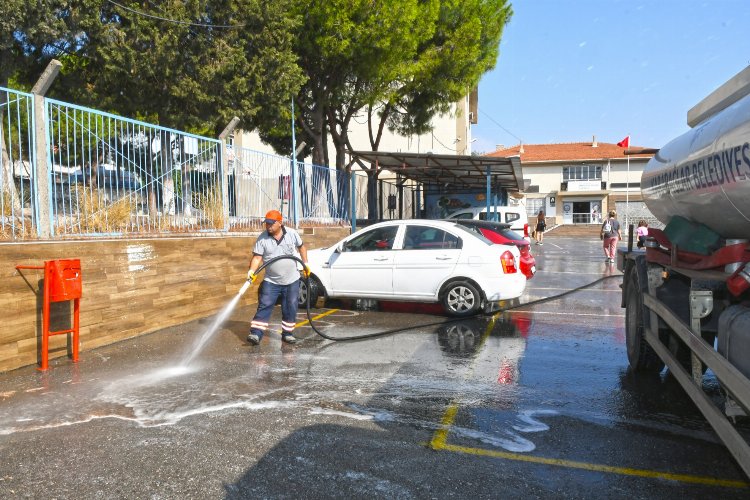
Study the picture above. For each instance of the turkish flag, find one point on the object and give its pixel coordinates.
(625, 143)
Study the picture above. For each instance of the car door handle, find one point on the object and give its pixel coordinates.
(443, 257)
(380, 259)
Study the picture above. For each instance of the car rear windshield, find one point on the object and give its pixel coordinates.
(511, 235)
(473, 233)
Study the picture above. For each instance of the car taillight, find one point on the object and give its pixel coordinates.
(508, 262)
(524, 249)
(525, 230)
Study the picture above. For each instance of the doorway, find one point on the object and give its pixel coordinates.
(581, 212)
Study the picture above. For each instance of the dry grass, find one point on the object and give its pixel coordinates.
(211, 204)
(13, 225)
(20, 231)
(7, 202)
(97, 215)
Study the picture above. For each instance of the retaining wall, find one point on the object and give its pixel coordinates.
(130, 287)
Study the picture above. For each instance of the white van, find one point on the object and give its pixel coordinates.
(515, 216)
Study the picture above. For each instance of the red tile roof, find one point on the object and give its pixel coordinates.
(569, 151)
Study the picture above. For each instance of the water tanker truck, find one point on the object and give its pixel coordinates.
(687, 293)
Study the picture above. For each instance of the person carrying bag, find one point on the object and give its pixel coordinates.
(610, 234)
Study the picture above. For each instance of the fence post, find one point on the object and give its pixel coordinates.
(296, 184)
(224, 162)
(379, 184)
(41, 172)
(353, 199)
(400, 190)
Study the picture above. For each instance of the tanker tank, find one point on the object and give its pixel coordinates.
(704, 175)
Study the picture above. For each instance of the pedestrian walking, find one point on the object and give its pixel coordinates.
(281, 278)
(610, 235)
(541, 225)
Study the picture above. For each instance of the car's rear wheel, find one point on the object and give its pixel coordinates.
(313, 290)
(461, 298)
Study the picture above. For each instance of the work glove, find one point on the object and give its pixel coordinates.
(251, 276)
(305, 271)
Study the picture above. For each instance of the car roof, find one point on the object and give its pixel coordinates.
(498, 208)
(435, 222)
(489, 224)
(448, 224)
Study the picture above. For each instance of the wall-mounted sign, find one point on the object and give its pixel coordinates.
(552, 201)
(584, 185)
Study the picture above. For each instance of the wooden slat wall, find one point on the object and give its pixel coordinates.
(130, 287)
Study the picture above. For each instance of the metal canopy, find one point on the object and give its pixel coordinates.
(457, 171)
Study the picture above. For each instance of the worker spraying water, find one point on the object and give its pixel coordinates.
(281, 278)
(276, 251)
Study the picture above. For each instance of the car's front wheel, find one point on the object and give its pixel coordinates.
(461, 298)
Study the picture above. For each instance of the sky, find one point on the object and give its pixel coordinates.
(569, 70)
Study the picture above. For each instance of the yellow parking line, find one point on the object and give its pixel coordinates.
(321, 315)
(439, 442)
(627, 471)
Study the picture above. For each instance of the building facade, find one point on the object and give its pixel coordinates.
(576, 183)
(450, 134)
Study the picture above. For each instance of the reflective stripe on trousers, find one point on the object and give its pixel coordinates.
(269, 293)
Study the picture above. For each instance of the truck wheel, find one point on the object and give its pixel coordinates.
(461, 298)
(314, 291)
(641, 356)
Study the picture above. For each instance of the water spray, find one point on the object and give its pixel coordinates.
(245, 287)
(221, 318)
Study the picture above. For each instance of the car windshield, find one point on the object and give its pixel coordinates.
(376, 239)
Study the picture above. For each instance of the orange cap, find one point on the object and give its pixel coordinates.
(274, 215)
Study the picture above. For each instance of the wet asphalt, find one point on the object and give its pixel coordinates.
(535, 402)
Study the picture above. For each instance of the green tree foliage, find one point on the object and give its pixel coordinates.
(350, 52)
(184, 64)
(464, 46)
(28, 29)
(400, 61)
(193, 64)
(190, 65)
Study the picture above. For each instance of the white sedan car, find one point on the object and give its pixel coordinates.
(420, 261)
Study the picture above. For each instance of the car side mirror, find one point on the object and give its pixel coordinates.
(339, 248)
